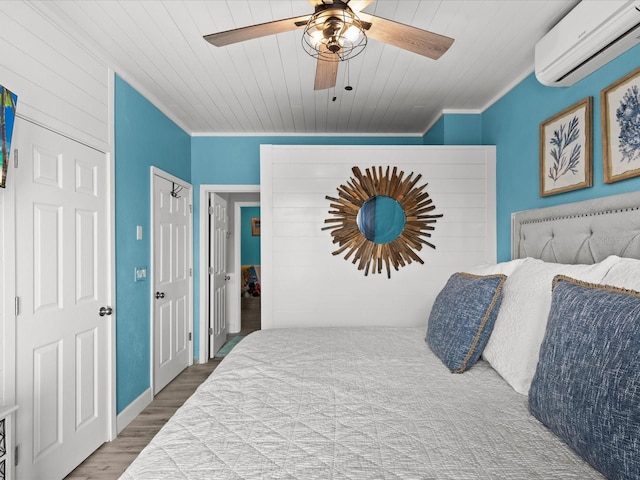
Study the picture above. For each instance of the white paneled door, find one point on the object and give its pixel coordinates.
(63, 285)
(218, 275)
(171, 278)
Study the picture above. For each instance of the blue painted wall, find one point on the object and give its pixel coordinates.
(249, 245)
(512, 125)
(144, 136)
(236, 160)
(455, 129)
(463, 129)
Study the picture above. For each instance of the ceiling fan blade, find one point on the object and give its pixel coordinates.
(236, 35)
(409, 38)
(326, 73)
(358, 5)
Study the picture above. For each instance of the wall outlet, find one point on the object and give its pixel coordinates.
(141, 274)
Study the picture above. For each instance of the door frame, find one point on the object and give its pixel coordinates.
(8, 318)
(155, 171)
(203, 239)
(111, 188)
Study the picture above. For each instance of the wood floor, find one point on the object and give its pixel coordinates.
(113, 458)
(250, 315)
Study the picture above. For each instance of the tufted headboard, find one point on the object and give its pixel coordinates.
(582, 232)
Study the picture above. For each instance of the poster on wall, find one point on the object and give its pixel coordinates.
(621, 128)
(565, 150)
(255, 227)
(8, 101)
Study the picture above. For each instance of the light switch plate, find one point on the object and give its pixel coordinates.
(141, 274)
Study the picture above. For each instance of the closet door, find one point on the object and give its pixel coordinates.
(64, 320)
(171, 279)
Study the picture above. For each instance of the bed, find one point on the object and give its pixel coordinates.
(383, 403)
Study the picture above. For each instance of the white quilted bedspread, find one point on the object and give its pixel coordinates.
(371, 403)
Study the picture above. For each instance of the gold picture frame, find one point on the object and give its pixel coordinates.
(401, 250)
(566, 148)
(620, 129)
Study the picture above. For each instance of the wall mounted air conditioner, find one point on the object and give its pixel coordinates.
(591, 34)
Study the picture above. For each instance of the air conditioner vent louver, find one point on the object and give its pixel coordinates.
(635, 29)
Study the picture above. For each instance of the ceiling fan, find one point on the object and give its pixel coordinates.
(338, 31)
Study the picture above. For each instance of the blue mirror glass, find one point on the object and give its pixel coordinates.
(381, 219)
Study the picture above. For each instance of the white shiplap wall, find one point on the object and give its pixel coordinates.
(304, 285)
(58, 83)
(60, 86)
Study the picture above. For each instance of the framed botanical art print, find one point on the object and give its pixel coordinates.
(565, 150)
(620, 104)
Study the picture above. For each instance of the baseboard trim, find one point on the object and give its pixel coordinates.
(126, 416)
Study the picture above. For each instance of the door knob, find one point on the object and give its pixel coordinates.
(159, 294)
(227, 277)
(105, 311)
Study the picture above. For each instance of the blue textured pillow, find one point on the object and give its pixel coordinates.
(462, 318)
(586, 388)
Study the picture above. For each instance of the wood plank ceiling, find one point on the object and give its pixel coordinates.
(265, 86)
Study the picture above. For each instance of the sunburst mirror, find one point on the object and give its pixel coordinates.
(381, 219)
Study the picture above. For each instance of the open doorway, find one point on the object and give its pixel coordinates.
(236, 196)
(248, 214)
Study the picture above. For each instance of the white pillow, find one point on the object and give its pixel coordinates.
(624, 274)
(504, 268)
(514, 344)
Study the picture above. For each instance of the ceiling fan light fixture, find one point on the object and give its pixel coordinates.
(316, 38)
(352, 33)
(334, 31)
